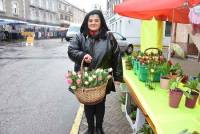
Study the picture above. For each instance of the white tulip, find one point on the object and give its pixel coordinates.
(73, 87)
(110, 70)
(90, 79)
(86, 82)
(94, 76)
(73, 73)
(86, 74)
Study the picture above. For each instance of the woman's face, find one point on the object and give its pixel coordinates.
(94, 22)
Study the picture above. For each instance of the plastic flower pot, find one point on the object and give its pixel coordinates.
(157, 76)
(136, 66)
(175, 97)
(190, 102)
(132, 62)
(164, 82)
(143, 73)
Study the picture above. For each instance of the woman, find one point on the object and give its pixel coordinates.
(99, 49)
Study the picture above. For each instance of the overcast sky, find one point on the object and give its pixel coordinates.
(88, 4)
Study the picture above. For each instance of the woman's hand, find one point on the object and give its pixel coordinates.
(87, 58)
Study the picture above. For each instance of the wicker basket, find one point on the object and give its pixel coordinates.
(90, 96)
(154, 50)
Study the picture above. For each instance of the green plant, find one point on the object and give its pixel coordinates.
(175, 68)
(164, 69)
(146, 129)
(133, 115)
(135, 54)
(122, 100)
(193, 86)
(174, 83)
(198, 77)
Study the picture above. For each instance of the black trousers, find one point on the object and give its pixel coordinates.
(97, 111)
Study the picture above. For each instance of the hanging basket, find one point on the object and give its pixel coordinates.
(90, 96)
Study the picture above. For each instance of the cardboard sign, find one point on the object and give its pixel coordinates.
(29, 40)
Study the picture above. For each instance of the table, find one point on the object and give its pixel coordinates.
(154, 104)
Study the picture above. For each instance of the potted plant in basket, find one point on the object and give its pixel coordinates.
(175, 92)
(89, 86)
(192, 93)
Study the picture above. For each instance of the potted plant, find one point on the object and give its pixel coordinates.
(174, 70)
(175, 93)
(192, 93)
(164, 78)
(128, 61)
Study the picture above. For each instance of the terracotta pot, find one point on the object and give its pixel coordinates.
(175, 97)
(190, 102)
(173, 76)
(164, 82)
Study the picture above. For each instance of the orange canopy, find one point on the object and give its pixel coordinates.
(170, 10)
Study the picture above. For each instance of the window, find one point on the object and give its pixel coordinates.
(168, 26)
(1, 5)
(66, 17)
(15, 8)
(61, 16)
(67, 8)
(59, 6)
(51, 17)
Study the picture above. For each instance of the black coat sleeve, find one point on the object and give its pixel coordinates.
(116, 60)
(75, 51)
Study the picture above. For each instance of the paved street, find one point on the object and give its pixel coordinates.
(33, 94)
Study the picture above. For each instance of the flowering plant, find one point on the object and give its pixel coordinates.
(88, 79)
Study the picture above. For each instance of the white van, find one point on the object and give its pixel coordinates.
(72, 31)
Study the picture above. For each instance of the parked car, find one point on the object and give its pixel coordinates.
(72, 31)
(125, 46)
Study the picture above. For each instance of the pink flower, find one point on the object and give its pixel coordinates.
(78, 82)
(69, 81)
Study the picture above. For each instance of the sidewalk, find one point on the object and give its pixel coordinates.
(115, 121)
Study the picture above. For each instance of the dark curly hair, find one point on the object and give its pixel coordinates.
(103, 28)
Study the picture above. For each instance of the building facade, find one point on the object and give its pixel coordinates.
(46, 12)
(64, 13)
(42, 12)
(12, 9)
(78, 15)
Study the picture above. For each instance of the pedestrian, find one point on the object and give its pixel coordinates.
(99, 49)
(62, 35)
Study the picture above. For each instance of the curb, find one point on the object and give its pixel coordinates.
(77, 121)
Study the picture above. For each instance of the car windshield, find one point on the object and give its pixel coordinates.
(74, 29)
(118, 36)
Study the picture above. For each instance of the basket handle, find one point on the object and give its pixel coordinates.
(153, 48)
(81, 68)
